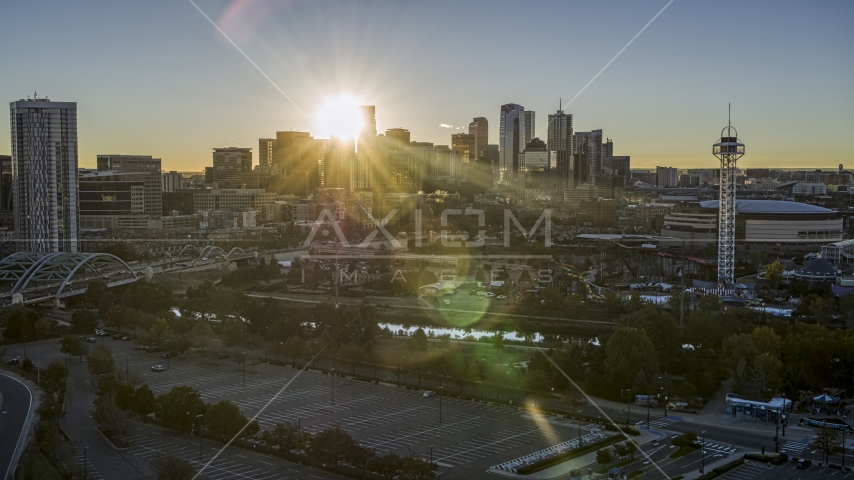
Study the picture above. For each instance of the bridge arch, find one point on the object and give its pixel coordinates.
(211, 250)
(187, 249)
(236, 250)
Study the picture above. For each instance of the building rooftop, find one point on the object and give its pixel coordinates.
(770, 206)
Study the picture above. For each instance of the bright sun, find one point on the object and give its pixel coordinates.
(339, 117)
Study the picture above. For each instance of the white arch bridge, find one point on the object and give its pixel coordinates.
(28, 277)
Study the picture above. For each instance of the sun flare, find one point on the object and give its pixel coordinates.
(338, 116)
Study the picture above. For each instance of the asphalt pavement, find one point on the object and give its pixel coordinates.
(16, 405)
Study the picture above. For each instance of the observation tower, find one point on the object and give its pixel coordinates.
(728, 150)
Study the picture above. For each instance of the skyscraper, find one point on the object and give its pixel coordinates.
(397, 138)
(44, 175)
(560, 138)
(511, 142)
(299, 154)
(266, 151)
(139, 164)
(587, 151)
(229, 164)
(338, 163)
(369, 126)
(530, 124)
(479, 127)
(5, 183)
(464, 143)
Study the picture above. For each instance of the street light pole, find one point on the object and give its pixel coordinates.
(332, 376)
(703, 448)
(440, 407)
(629, 415)
(85, 468)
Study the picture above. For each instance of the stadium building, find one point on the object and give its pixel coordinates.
(761, 225)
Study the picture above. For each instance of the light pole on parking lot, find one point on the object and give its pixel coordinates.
(332, 377)
(243, 363)
(703, 449)
(439, 394)
(200, 416)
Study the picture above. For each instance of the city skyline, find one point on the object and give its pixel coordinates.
(187, 90)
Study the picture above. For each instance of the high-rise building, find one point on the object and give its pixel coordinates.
(479, 127)
(229, 164)
(266, 151)
(560, 137)
(172, 181)
(299, 155)
(397, 138)
(530, 126)
(44, 175)
(5, 183)
(337, 164)
(464, 143)
(619, 165)
(365, 140)
(139, 164)
(511, 142)
(107, 196)
(666, 177)
(587, 148)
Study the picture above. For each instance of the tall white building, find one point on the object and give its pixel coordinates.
(666, 177)
(172, 181)
(44, 175)
(511, 143)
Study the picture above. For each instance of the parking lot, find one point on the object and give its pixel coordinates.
(464, 435)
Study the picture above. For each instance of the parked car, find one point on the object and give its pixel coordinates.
(91, 340)
(14, 361)
(501, 297)
(118, 336)
(157, 368)
(125, 338)
(100, 333)
(803, 464)
(447, 302)
(428, 394)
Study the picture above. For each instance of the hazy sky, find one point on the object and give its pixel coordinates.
(154, 77)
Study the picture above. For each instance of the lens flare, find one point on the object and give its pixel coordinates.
(339, 116)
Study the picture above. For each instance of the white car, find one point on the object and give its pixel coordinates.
(157, 368)
(489, 294)
(428, 394)
(501, 297)
(447, 302)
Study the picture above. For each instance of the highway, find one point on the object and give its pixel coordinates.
(17, 402)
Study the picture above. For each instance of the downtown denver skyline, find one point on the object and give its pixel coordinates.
(180, 92)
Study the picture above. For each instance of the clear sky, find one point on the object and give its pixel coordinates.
(154, 77)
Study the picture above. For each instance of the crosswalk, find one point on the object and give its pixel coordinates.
(748, 471)
(794, 447)
(718, 450)
(659, 422)
(86, 469)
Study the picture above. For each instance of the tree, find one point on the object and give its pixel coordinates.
(95, 291)
(331, 446)
(179, 407)
(234, 333)
(389, 465)
(202, 335)
(415, 468)
(144, 402)
(225, 419)
(295, 347)
(284, 436)
(73, 345)
(627, 352)
(774, 273)
(84, 321)
(418, 342)
(172, 468)
(828, 441)
(100, 361)
(54, 375)
(604, 456)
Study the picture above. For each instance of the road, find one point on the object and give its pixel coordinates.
(17, 403)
